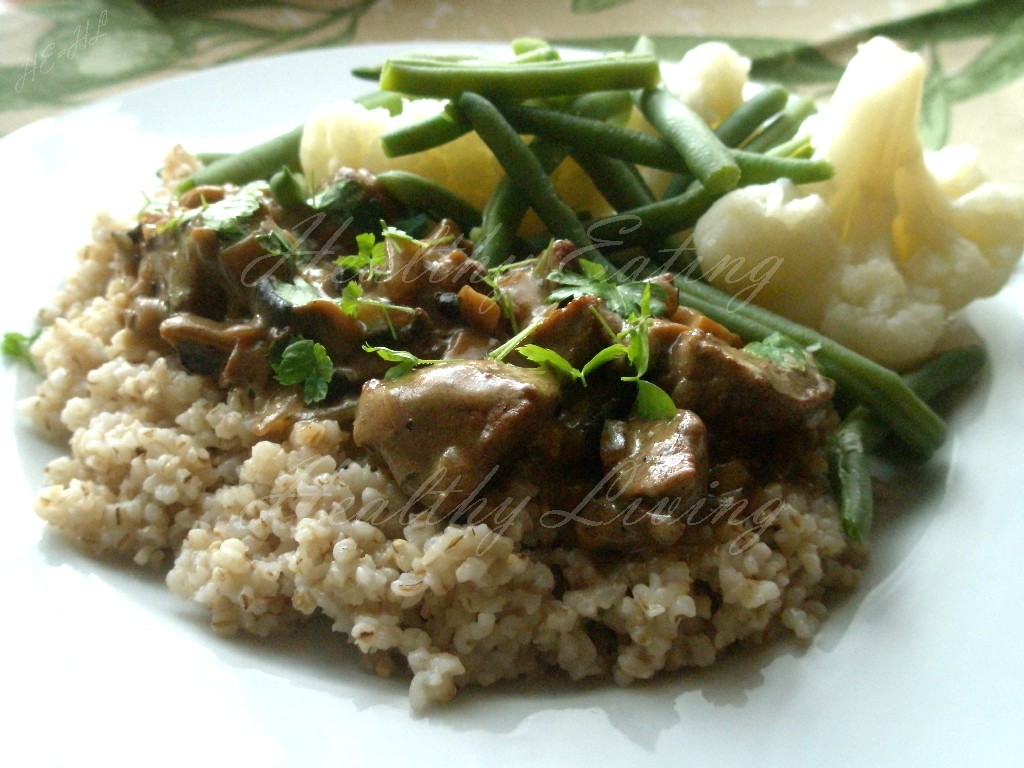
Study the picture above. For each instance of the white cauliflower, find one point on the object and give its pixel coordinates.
(347, 134)
(709, 79)
(880, 255)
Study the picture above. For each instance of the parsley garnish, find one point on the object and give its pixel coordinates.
(226, 217)
(652, 402)
(296, 293)
(405, 361)
(305, 362)
(544, 356)
(352, 301)
(372, 254)
(277, 243)
(16, 347)
(623, 298)
(781, 350)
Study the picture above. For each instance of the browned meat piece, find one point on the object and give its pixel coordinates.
(577, 331)
(657, 458)
(736, 391)
(447, 429)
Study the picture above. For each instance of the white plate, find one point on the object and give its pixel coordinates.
(921, 666)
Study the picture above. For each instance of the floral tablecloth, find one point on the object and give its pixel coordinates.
(55, 55)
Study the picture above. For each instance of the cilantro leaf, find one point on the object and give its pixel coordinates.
(544, 356)
(605, 356)
(371, 254)
(623, 299)
(276, 243)
(226, 217)
(229, 216)
(781, 350)
(305, 362)
(406, 361)
(16, 347)
(296, 293)
(351, 295)
(348, 203)
(652, 402)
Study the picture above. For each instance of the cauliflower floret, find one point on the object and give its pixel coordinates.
(346, 134)
(881, 254)
(709, 79)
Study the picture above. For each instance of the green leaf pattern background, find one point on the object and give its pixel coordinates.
(59, 54)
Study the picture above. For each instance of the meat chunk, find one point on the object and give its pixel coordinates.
(445, 430)
(657, 458)
(736, 391)
(577, 331)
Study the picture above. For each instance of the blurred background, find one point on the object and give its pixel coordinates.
(55, 55)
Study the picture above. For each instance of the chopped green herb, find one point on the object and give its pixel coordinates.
(16, 347)
(229, 216)
(298, 292)
(615, 351)
(623, 299)
(277, 243)
(352, 301)
(406, 361)
(544, 356)
(652, 402)
(501, 352)
(372, 254)
(348, 204)
(226, 217)
(305, 362)
(781, 350)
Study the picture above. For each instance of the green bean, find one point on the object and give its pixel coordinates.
(388, 100)
(521, 45)
(738, 126)
(784, 127)
(644, 44)
(862, 432)
(527, 49)
(520, 81)
(206, 158)
(703, 152)
(254, 163)
(761, 169)
(856, 377)
(522, 166)
(615, 106)
(662, 218)
(288, 188)
(851, 477)
(425, 134)
(618, 182)
(595, 136)
(506, 208)
(797, 147)
(946, 371)
(371, 73)
(422, 194)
